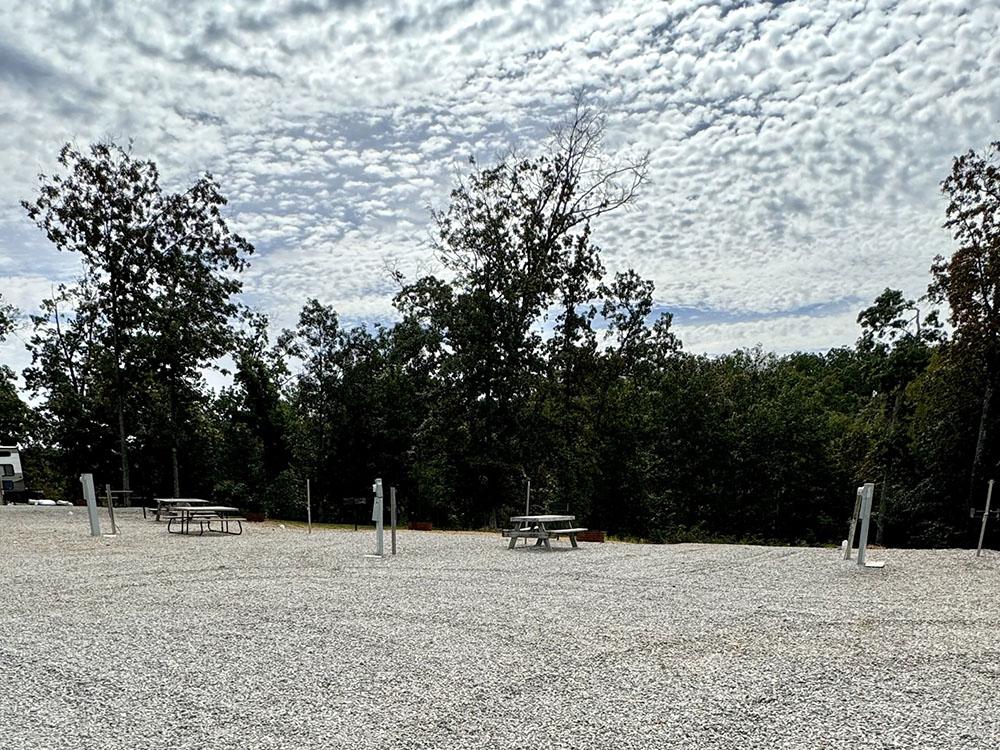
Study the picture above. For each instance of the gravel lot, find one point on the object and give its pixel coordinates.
(279, 639)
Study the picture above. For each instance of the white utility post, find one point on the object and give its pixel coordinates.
(867, 493)
(986, 514)
(90, 495)
(377, 514)
(309, 512)
(854, 524)
(862, 513)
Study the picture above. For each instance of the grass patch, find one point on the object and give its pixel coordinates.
(321, 526)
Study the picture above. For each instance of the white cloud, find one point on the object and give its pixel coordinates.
(796, 148)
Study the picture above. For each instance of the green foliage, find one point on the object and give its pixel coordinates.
(523, 361)
(17, 419)
(125, 347)
(969, 281)
(8, 318)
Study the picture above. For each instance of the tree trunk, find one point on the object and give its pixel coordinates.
(883, 502)
(122, 443)
(977, 459)
(176, 473)
(116, 345)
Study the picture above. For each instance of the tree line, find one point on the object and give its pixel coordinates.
(523, 359)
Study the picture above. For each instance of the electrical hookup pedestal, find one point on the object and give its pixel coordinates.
(378, 517)
(862, 513)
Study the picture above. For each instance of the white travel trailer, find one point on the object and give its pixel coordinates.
(11, 476)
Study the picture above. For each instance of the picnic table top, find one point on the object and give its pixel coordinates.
(541, 519)
(213, 508)
(172, 500)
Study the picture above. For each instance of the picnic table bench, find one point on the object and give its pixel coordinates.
(204, 516)
(538, 528)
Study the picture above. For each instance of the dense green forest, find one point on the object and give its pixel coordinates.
(522, 359)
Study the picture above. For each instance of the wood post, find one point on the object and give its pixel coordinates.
(111, 508)
(986, 514)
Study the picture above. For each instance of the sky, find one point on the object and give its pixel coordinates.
(796, 148)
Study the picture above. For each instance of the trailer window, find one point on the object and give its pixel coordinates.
(7, 470)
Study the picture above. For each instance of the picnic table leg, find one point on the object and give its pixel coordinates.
(548, 546)
(513, 541)
(572, 539)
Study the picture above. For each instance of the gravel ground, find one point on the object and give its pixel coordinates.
(278, 639)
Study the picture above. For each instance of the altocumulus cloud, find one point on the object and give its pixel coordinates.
(796, 148)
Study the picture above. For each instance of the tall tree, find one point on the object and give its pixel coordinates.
(896, 343)
(196, 261)
(159, 266)
(106, 209)
(256, 421)
(72, 372)
(516, 238)
(969, 281)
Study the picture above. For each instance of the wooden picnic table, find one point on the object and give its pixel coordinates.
(541, 529)
(168, 504)
(206, 515)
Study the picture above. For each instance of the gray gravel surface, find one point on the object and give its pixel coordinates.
(278, 639)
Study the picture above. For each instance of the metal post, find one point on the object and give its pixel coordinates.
(867, 493)
(87, 480)
(986, 514)
(527, 507)
(854, 523)
(392, 516)
(309, 513)
(177, 477)
(377, 517)
(111, 508)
